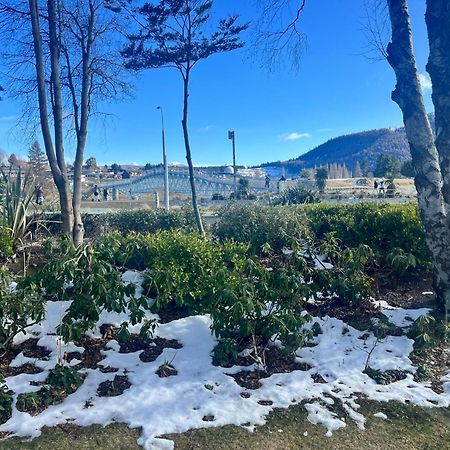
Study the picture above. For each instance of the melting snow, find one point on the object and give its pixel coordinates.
(178, 403)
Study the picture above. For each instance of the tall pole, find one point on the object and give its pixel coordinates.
(166, 167)
(231, 135)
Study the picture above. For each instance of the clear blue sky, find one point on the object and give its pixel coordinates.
(336, 91)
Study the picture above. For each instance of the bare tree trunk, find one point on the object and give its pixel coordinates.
(57, 164)
(408, 96)
(82, 126)
(198, 217)
(438, 25)
(78, 227)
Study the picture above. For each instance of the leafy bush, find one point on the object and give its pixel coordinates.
(257, 225)
(246, 299)
(298, 195)
(180, 266)
(225, 352)
(427, 331)
(383, 227)
(6, 399)
(6, 244)
(140, 221)
(346, 279)
(92, 283)
(61, 382)
(64, 378)
(400, 261)
(20, 308)
(262, 305)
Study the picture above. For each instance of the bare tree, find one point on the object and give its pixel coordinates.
(277, 35)
(73, 53)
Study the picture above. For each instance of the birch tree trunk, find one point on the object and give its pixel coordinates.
(438, 24)
(424, 151)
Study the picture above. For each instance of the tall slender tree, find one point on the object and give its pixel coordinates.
(174, 34)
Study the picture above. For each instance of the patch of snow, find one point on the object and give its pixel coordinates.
(178, 403)
(21, 360)
(318, 414)
(400, 317)
(380, 415)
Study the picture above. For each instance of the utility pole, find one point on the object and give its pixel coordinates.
(231, 136)
(166, 167)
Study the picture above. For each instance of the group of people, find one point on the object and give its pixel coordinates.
(280, 183)
(379, 186)
(96, 193)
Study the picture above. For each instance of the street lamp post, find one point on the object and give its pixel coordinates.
(231, 136)
(166, 167)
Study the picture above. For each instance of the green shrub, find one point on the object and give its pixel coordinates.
(257, 225)
(61, 382)
(140, 221)
(20, 308)
(383, 227)
(93, 285)
(246, 299)
(427, 331)
(346, 279)
(6, 399)
(6, 244)
(225, 352)
(180, 266)
(261, 305)
(298, 195)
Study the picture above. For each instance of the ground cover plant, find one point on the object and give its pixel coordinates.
(223, 325)
(91, 284)
(6, 401)
(61, 382)
(21, 306)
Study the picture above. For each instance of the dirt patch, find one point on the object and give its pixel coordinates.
(276, 362)
(406, 292)
(115, 387)
(92, 353)
(386, 377)
(317, 378)
(432, 363)
(172, 312)
(27, 368)
(30, 349)
(166, 370)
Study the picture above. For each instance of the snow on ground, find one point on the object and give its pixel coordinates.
(178, 403)
(400, 317)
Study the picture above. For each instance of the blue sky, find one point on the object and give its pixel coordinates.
(276, 116)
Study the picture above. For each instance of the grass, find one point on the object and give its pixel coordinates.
(407, 427)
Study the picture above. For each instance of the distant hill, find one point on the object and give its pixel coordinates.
(349, 149)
